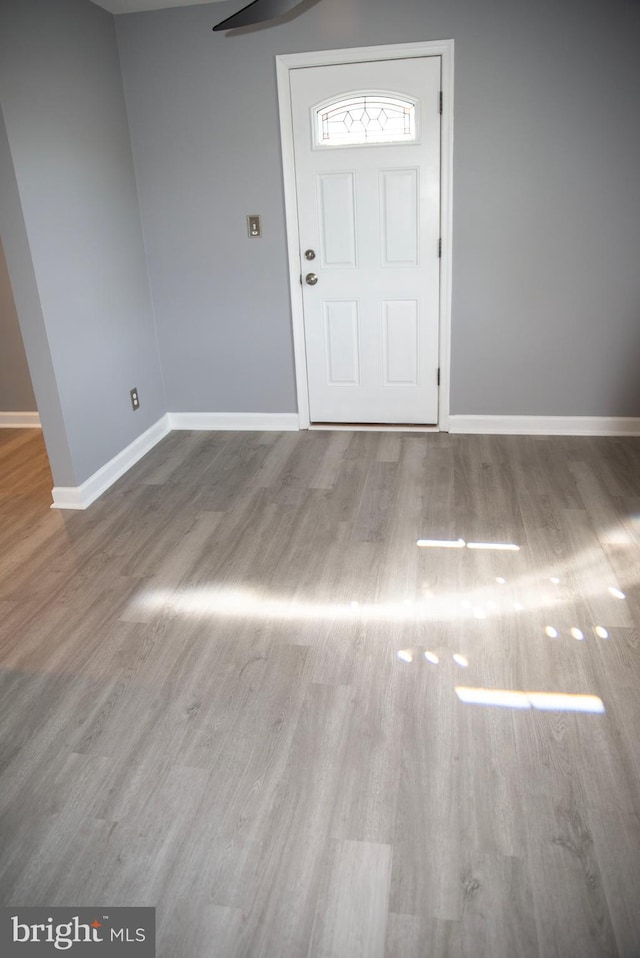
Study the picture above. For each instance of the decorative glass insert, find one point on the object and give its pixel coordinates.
(366, 118)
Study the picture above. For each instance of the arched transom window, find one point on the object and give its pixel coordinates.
(365, 118)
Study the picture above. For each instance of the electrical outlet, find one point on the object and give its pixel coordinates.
(135, 402)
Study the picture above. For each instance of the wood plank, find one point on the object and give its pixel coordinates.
(351, 918)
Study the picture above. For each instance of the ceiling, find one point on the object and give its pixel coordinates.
(135, 6)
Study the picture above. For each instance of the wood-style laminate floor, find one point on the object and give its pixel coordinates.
(235, 689)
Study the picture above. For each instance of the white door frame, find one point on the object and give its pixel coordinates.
(292, 61)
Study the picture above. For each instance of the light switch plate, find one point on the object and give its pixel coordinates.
(254, 226)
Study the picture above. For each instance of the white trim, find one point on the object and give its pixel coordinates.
(79, 497)
(390, 51)
(446, 229)
(19, 420)
(284, 64)
(254, 421)
(546, 425)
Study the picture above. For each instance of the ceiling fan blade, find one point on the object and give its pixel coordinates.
(256, 12)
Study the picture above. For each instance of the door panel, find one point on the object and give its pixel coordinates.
(341, 340)
(371, 213)
(337, 219)
(399, 217)
(400, 342)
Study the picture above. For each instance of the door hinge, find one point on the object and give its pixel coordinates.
(438, 375)
(439, 247)
(441, 102)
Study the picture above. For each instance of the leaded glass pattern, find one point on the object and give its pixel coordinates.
(366, 118)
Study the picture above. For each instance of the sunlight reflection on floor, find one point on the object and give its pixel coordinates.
(543, 701)
(501, 596)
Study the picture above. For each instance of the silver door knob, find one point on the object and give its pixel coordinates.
(309, 254)
(311, 279)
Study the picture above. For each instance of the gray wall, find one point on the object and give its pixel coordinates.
(66, 125)
(16, 392)
(34, 334)
(546, 304)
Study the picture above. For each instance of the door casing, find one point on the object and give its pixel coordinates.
(284, 65)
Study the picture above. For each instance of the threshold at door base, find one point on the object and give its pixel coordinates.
(374, 427)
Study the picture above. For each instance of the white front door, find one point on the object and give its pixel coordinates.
(367, 163)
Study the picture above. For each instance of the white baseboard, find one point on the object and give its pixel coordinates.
(546, 425)
(79, 497)
(254, 421)
(19, 420)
